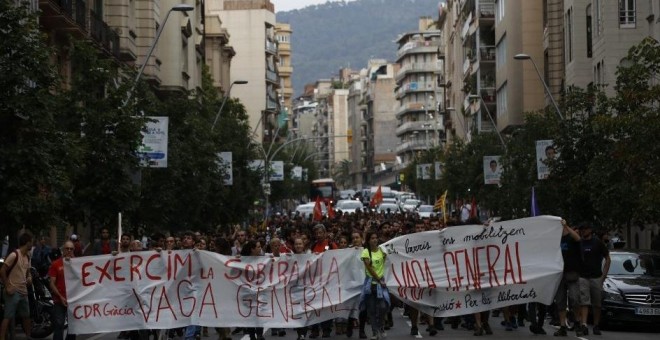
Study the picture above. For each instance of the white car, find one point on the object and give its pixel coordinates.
(349, 206)
(306, 210)
(383, 207)
(411, 204)
(426, 211)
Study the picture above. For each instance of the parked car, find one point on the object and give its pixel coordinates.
(307, 209)
(631, 291)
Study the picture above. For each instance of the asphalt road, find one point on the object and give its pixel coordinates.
(401, 330)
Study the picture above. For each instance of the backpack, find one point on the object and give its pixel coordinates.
(11, 266)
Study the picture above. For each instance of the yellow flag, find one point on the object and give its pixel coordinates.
(440, 204)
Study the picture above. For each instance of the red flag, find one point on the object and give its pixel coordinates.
(473, 208)
(331, 211)
(318, 213)
(377, 198)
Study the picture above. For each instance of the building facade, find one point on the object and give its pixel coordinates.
(251, 24)
(418, 87)
(283, 36)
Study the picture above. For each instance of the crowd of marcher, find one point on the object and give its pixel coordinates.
(578, 295)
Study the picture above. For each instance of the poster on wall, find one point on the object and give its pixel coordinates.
(492, 170)
(545, 153)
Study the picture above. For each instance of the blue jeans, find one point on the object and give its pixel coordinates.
(58, 318)
(376, 310)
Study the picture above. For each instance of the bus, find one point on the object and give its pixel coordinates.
(325, 189)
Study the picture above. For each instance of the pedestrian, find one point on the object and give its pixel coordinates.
(375, 294)
(592, 274)
(104, 245)
(16, 277)
(568, 291)
(58, 290)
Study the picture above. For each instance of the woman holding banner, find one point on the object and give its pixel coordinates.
(375, 296)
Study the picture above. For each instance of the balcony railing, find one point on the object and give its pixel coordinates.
(415, 86)
(412, 145)
(417, 67)
(487, 53)
(487, 9)
(419, 46)
(271, 76)
(271, 46)
(103, 34)
(76, 13)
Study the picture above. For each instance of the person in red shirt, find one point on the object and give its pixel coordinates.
(58, 290)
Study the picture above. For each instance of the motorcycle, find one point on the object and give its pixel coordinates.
(41, 305)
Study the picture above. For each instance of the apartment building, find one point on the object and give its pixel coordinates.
(357, 131)
(418, 89)
(219, 52)
(487, 88)
(283, 36)
(251, 24)
(126, 31)
(598, 35)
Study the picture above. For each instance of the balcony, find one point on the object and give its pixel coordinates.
(487, 9)
(414, 87)
(70, 17)
(422, 46)
(410, 107)
(272, 77)
(285, 70)
(418, 68)
(412, 145)
(487, 53)
(421, 126)
(271, 47)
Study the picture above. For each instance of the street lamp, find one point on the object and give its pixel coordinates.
(224, 100)
(175, 8)
(481, 100)
(522, 56)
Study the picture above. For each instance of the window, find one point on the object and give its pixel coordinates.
(499, 10)
(626, 13)
(569, 35)
(501, 101)
(589, 39)
(500, 52)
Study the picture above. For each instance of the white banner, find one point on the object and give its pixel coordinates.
(225, 160)
(164, 290)
(492, 170)
(153, 151)
(467, 269)
(455, 271)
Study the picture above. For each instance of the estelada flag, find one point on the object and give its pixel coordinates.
(331, 211)
(377, 198)
(318, 212)
(441, 204)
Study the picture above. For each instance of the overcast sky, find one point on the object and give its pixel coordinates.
(286, 5)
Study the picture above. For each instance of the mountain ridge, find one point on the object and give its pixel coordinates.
(333, 35)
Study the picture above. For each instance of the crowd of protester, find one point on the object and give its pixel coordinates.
(579, 291)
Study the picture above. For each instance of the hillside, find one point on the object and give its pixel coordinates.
(336, 34)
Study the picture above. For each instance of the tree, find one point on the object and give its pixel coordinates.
(343, 173)
(33, 151)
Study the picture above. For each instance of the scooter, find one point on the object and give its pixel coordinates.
(41, 305)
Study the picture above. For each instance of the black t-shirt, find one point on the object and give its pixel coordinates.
(593, 252)
(570, 251)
